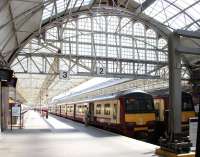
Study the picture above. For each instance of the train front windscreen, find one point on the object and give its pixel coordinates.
(139, 103)
(187, 103)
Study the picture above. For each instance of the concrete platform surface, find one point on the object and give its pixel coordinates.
(59, 137)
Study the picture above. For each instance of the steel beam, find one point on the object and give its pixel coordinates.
(73, 56)
(189, 34)
(144, 6)
(0, 108)
(186, 50)
(5, 107)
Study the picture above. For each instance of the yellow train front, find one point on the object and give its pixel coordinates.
(130, 113)
(138, 113)
(162, 105)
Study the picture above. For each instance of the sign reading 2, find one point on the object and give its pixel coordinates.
(101, 71)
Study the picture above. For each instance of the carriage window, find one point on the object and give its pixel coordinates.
(80, 109)
(98, 109)
(83, 109)
(107, 109)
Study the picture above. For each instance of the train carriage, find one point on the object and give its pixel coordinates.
(161, 103)
(129, 112)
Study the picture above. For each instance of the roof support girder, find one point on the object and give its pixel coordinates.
(78, 61)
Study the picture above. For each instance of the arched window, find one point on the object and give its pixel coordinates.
(162, 45)
(84, 23)
(126, 26)
(113, 24)
(99, 23)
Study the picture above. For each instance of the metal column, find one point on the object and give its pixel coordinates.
(198, 136)
(174, 86)
(0, 108)
(176, 142)
(5, 106)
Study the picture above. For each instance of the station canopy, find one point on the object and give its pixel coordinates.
(124, 39)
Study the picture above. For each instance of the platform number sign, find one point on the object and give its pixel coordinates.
(101, 71)
(63, 74)
(15, 111)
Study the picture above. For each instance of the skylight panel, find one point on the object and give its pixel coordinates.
(194, 11)
(140, 1)
(48, 11)
(176, 14)
(183, 4)
(62, 5)
(180, 21)
(154, 9)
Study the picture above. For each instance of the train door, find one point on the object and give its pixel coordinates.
(91, 110)
(74, 114)
(160, 107)
(66, 110)
(114, 117)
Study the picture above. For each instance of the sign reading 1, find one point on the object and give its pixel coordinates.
(101, 71)
(63, 74)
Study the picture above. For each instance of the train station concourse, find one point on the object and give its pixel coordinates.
(99, 78)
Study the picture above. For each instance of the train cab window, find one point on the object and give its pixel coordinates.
(107, 109)
(187, 103)
(139, 103)
(98, 109)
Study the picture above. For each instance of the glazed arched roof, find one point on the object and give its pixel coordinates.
(21, 20)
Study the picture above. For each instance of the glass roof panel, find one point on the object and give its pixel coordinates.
(62, 5)
(194, 11)
(176, 14)
(180, 21)
(140, 1)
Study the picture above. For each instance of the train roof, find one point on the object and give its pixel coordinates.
(106, 97)
(165, 92)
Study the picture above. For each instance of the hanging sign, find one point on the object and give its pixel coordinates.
(101, 71)
(15, 111)
(63, 74)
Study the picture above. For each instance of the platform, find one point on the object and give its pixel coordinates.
(59, 137)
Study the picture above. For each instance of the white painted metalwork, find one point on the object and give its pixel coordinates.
(127, 38)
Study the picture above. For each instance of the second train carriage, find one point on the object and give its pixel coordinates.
(161, 103)
(127, 112)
